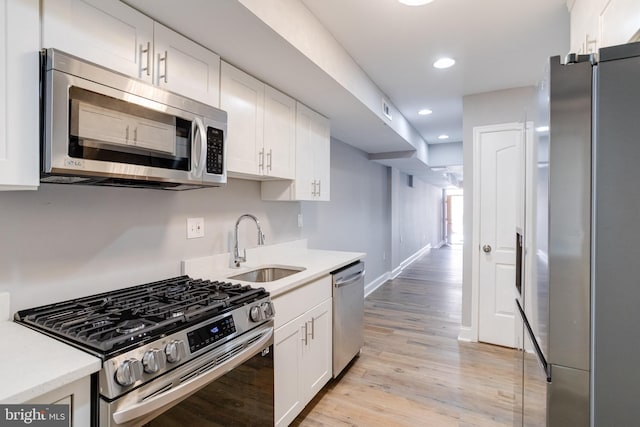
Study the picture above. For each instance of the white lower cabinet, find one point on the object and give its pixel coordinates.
(303, 345)
(77, 395)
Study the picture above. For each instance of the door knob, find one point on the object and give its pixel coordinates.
(486, 248)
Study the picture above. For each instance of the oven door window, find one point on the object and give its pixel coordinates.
(111, 130)
(242, 397)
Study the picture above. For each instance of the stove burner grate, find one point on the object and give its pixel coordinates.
(116, 320)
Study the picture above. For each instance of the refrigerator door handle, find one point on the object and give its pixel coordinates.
(536, 346)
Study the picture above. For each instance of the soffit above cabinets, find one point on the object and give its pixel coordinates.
(241, 38)
(329, 82)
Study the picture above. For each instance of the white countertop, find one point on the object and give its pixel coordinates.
(316, 262)
(32, 364)
(35, 364)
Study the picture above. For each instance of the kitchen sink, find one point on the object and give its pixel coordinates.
(267, 274)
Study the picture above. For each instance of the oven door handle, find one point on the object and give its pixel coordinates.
(187, 388)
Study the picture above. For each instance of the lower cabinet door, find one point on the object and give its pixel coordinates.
(302, 361)
(316, 366)
(286, 362)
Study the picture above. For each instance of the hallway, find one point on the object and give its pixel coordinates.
(413, 371)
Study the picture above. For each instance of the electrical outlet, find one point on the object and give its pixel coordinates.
(195, 228)
(299, 220)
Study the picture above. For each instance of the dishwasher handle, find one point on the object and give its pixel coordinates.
(348, 280)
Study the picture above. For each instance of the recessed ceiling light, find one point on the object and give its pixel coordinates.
(542, 129)
(415, 2)
(444, 63)
(443, 136)
(425, 112)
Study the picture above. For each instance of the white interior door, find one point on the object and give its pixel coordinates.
(501, 198)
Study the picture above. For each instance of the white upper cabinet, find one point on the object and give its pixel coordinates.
(242, 97)
(19, 86)
(118, 37)
(185, 67)
(106, 32)
(279, 134)
(601, 23)
(260, 128)
(313, 163)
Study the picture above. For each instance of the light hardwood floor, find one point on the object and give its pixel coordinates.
(412, 370)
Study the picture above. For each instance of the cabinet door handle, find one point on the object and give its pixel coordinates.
(165, 60)
(306, 335)
(319, 188)
(147, 68)
(126, 136)
(313, 328)
(269, 160)
(261, 161)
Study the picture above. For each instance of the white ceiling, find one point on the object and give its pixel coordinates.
(498, 44)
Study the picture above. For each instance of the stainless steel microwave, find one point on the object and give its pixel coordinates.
(104, 128)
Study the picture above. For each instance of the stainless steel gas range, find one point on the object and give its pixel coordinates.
(175, 352)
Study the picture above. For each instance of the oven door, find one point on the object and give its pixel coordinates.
(228, 386)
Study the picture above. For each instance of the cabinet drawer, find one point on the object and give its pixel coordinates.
(292, 304)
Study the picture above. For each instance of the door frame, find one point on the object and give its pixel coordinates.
(472, 333)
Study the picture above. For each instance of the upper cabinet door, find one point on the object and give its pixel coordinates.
(279, 134)
(322, 157)
(19, 110)
(305, 183)
(183, 66)
(106, 32)
(242, 97)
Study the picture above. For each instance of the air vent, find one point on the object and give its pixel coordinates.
(386, 110)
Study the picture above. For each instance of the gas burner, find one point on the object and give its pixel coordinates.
(178, 288)
(219, 297)
(131, 326)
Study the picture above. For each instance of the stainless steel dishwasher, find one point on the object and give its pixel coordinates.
(348, 314)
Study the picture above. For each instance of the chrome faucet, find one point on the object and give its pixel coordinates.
(237, 259)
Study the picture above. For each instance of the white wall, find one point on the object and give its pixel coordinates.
(64, 242)
(417, 216)
(449, 154)
(358, 216)
(67, 241)
(504, 106)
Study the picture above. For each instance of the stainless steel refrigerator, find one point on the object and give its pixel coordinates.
(581, 308)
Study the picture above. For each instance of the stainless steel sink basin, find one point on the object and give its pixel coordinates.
(267, 274)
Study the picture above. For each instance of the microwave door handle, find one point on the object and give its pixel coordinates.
(200, 147)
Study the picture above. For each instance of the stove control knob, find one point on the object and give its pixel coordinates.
(267, 308)
(129, 372)
(154, 360)
(256, 313)
(175, 351)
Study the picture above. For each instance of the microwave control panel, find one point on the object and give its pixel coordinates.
(215, 151)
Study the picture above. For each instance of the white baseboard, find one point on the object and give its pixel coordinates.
(407, 262)
(369, 288)
(372, 286)
(467, 334)
(396, 272)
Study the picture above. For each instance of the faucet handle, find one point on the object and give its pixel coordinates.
(260, 238)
